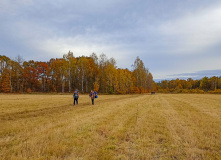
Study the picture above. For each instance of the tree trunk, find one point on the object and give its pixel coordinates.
(82, 83)
(69, 84)
(62, 84)
(11, 80)
(69, 78)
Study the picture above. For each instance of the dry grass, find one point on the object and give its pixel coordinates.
(185, 126)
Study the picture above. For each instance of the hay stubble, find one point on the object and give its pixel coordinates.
(185, 126)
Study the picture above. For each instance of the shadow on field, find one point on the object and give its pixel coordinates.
(35, 113)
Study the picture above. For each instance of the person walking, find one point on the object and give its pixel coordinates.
(92, 95)
(76, 96)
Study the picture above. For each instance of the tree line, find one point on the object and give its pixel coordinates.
(206, 84)
(69, 73)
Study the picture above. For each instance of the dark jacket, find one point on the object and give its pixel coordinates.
(92, 95)
(75, 95)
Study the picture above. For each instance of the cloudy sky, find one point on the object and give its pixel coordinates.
(173, 38)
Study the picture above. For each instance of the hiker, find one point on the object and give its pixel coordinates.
(92, 95)
(76, 96)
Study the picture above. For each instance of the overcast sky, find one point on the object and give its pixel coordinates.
(174, 38)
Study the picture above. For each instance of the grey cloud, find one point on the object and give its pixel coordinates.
(199, 74)
(122, 29)
(194, 75)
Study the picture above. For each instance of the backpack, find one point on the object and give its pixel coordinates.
(96, 96)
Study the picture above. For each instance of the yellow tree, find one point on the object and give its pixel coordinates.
(213, 82)
(219, 83)
(5, 69)
(82, 68)
(149, 82)
(204, 83)
(143, 78)
(59, 70)
(110, 71)
(102, 76)
(96, 71)
(189, 83)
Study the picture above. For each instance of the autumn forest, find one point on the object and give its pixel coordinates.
(95, 72)
(204, 85)
(69, 73)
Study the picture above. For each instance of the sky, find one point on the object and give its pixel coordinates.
(174, 39)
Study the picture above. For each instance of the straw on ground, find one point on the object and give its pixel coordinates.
(185, 126)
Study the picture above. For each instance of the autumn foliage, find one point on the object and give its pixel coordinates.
(204, 85)
(69, 73)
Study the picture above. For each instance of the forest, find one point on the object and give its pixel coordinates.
(66, 74)
(209, 85)
(94, 72)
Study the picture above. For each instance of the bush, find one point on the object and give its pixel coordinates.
(185, 91)
(217, 91)
(29, 90)
(199, 91)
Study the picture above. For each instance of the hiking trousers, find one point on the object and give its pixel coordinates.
(75, 99)
(92, 99)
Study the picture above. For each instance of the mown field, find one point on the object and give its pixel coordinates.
(161, 126)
